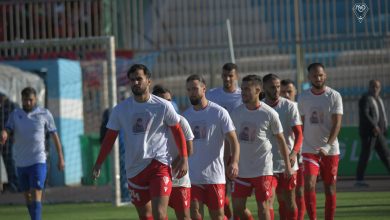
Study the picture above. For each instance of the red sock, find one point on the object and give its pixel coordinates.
(293, 215)
(301, 207)
(330, 206)
(147, 218)
(272, 214)
(311, 204)
(228, 212)
(236, 218)
(282, 210)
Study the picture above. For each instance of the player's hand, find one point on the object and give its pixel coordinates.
(61, 164)
(322, 152)
(293, 158)
(288, 172)
(96, 171)
(232, 170)
(181, 167)
(3, 137)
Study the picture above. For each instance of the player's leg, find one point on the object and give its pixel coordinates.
(24, 184)
(288, 192)
(197, 200)
(241, 189)
(215, 200)
(36, 178)
(329, 168)
(299, 193)
(311, 169)
(274, 185)
(180, 202)
(144, 211)
(160, 188)
(263, 193)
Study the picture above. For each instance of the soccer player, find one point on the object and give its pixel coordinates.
(207, 169)
(29, 126)
(255, 166)
(147, 158)
(181, 188)
(229, 97)
(288, 91)
(321, 109)
(292, 130)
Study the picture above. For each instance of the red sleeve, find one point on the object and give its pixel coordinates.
(179, 139)
(107, 144)
(298, 137)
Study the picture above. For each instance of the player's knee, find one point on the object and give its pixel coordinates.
(330, 189)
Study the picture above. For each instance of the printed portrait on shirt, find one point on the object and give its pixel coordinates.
(247, 132)
(140, 122)
(316, 116)
(199, 129)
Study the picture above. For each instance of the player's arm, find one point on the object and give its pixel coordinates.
(105, 149)
(182, 167)
(57, 143)
(283, 149)
(298, 139)
(334, 132)
(232, 171)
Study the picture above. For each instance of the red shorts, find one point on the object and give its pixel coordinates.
(242, 187)
(300, 178)
(180, 198)
(154, 181)
(213, 195)
(327, 166)
(280, 182)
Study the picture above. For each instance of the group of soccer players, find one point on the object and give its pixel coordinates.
(272, 146)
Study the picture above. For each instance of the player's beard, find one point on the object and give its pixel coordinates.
(138, 91)
(195, 101)
(318, 86)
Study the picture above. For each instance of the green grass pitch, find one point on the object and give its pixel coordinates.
(350, 205)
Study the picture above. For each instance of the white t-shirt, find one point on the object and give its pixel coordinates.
(227, 100)
(254, 129)
(209, 127)
(173, 152)
(145, 131)
(289, 117)
(318, 111)
(29, 134)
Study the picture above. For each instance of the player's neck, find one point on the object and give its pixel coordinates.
(253, 105)
(230, 89)
(271, 102)
(142, 98)
(202, 105)
(318, 91)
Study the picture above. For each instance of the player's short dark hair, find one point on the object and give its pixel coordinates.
(159, 90)
(136, 67)
(196, 77)
(315, 65)
(28, 91)
(254, 79)
(230, 66)
(270, 77)
(286, 82)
